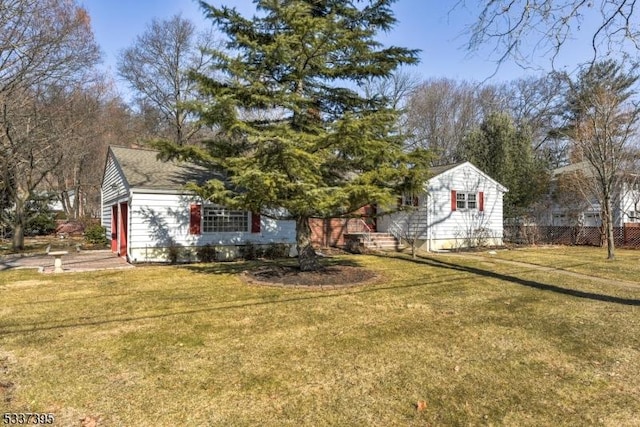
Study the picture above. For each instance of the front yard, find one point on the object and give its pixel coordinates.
(479, 341)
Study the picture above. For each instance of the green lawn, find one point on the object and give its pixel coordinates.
(483, 343)
(582, 259)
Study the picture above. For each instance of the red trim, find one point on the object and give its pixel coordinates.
(195, 219)
(481, 201)
(255, 222)
(124, 228)
(453, 200)
(114, 228)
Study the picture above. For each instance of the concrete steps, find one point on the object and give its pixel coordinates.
(380, 242)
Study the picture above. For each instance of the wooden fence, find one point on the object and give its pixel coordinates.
(627, 236)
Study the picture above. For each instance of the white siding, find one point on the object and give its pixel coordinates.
(412, 223)
(438, 226)
(159, 221)
(113, 190)
(625, 203)
(629, 204)
(451, 228)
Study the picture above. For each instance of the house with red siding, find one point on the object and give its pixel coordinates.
(148, 212)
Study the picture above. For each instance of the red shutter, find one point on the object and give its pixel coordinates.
(399, 202)
(195, 218)
(415, 201)
(481, 201)
(255, 222)
(453, 200)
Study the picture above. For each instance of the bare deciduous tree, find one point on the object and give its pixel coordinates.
(603, 119)
(156, 67)
(523, 30)
(96, 118)
(538, 104)
(440, 113)
(41, 43)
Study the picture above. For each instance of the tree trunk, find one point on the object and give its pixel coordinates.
(307, 257)
(609, 228)
(19, 223)
(77, 203)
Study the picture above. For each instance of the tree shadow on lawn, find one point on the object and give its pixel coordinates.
(433, 262)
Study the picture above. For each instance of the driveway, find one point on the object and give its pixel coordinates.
(73, 261)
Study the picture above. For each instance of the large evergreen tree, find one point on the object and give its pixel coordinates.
(504, 152)
(296, 137)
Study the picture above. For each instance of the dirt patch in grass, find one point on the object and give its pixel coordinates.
(328, 277)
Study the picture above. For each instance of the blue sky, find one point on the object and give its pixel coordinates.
(429, 25)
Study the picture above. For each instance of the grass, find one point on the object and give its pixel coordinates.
(482, 342)
(581, 259)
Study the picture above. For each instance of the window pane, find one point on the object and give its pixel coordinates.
(471, 201)
(461, 202)
(218, 220)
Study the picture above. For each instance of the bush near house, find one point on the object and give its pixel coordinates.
(96, 235)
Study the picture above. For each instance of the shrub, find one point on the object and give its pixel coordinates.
(206, 253)
(96, 234)
(41, 225)
(173, 253)
(276, 250)
(250, 251)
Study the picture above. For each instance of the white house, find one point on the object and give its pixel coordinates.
(582, 207)
(460, 206)
(147, 211)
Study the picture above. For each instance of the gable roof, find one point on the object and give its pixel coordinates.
(444, 169)
(437, 170)
(142, 168)
(588, 171)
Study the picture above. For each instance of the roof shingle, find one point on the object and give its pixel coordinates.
(143, 169)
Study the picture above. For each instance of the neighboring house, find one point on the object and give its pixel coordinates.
(574, 201)
(148, 212)
(460, 206)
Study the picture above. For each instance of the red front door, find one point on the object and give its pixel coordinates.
(124, 215)
(114, 228)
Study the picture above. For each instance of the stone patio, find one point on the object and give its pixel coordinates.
(72, 262)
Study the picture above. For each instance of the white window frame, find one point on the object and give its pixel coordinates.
(218, 219)
(466, 201)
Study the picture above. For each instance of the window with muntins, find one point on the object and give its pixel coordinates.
(466, 201)
(220, 220)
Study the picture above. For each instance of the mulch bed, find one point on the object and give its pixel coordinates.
(331, 277)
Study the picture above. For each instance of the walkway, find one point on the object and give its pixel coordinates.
(74, 261)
